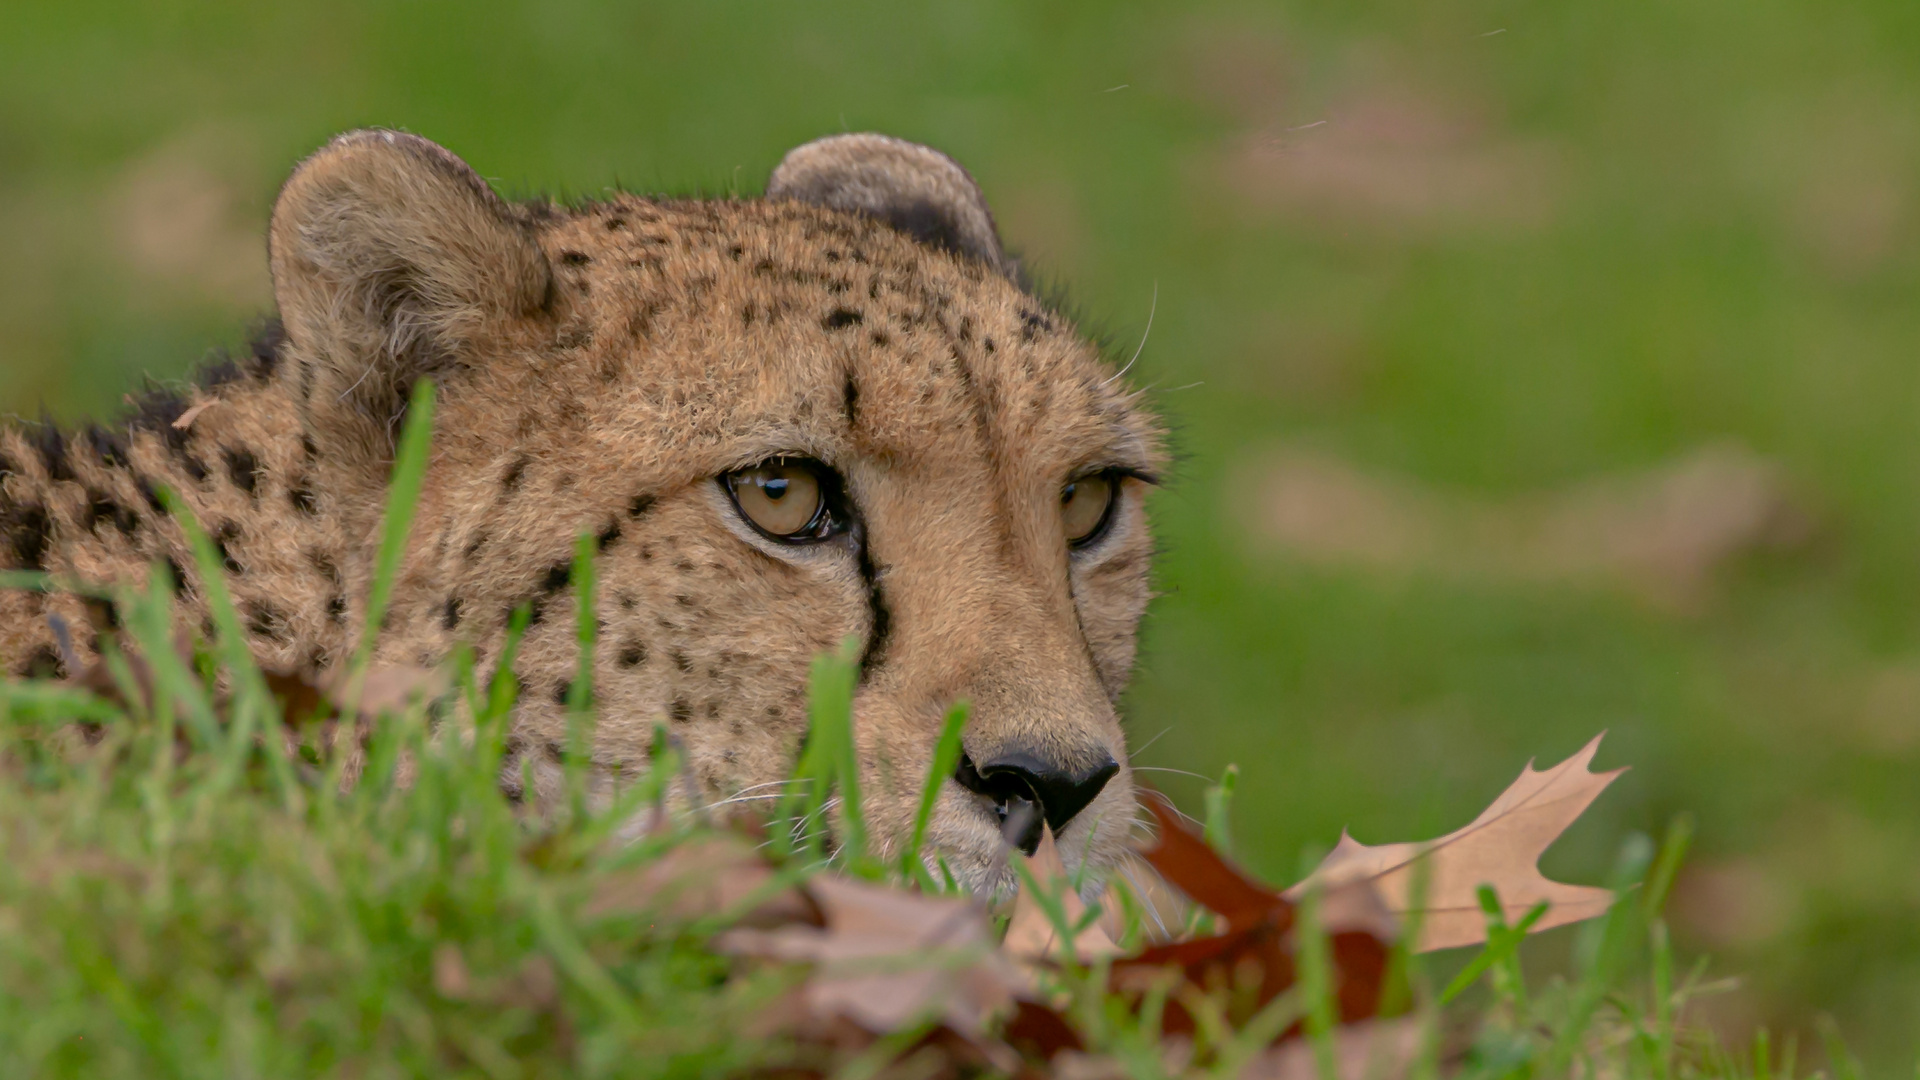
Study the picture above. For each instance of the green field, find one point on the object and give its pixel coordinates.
(1447, 302)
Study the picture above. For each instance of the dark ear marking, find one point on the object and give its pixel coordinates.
(916, 189)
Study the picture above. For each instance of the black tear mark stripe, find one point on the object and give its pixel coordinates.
(875, 652)
(850, 402)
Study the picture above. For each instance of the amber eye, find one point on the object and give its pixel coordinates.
(787, 498)
(1085, 506)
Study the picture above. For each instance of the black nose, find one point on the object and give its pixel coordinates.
(1016, 782)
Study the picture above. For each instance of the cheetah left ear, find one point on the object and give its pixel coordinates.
(392, 259)
(916, 189)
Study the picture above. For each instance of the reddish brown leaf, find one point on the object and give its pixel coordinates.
(1197, 870)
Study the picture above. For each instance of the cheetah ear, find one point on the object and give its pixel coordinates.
(916, 189)
(391, 259)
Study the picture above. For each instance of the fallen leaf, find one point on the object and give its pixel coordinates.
(1254, 956)
(887, 958)
(707, 875)
(1661, 533)
(1031, 935)
(1370, 1050)
(1501, 848)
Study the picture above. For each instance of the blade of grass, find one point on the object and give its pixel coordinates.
(946, 757)
(403, 498)
(1218, 800)
(580, 692)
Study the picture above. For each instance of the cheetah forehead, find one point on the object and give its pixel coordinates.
(748, 327)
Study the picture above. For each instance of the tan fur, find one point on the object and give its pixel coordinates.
(598, 369)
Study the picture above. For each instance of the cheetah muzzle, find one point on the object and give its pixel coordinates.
(832, 412)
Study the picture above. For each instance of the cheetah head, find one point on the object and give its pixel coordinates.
(830, 413)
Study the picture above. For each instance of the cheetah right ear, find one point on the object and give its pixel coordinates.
(916, 189)
(391, 260)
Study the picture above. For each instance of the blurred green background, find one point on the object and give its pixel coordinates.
(1536, 369)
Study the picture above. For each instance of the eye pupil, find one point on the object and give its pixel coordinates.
(787, 499)
(1086, 505)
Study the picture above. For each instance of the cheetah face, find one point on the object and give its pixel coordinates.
(828, 414)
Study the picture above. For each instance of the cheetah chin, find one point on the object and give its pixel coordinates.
(831, 412)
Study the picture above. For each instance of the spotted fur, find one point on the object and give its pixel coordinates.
(598, 368)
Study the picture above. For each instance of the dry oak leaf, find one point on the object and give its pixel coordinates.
(708, 875)
(1369, 1050)
(1255, 953)
(1501, 848)
(887, 958)
(1031, 935)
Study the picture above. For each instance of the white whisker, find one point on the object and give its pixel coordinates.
(1152, 305)
(1176, 772)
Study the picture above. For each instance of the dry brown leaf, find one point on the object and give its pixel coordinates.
(1031, 935)
(708, 875)
(1369, 1050)
(887, 958)
(1661, 533)
(1501, 848)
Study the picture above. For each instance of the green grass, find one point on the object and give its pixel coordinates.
(1724, 248)
(182, 901)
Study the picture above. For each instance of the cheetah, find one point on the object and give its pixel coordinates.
(832, 412)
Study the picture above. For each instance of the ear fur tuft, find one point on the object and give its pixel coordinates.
(916, 189)
(391, 258)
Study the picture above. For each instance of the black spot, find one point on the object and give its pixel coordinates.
(324, 564)
(226, 534)
(450, 615)
(102, 508)
(42, 663)
(337, 608)
(266, 621)
(638, 506)
(628, 602)
(110, 446)
(474, 545)
(681, 661)
(536, 611)
(150, 493)
(575, 258)
(616, 223)
(562, 692)
(47, 441)
(633, 654)
(195, 468)
(988, 342)
(242, 468)
(882, 338)
(180, 583)
(680, 711)
(29, 533)
(515, 473)
(608, 535)
(264, 349)
(302, 497)
(876, 651)
(850, 401)
(841, 318)
(683, 600)
(557, 577)
(308, 448)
